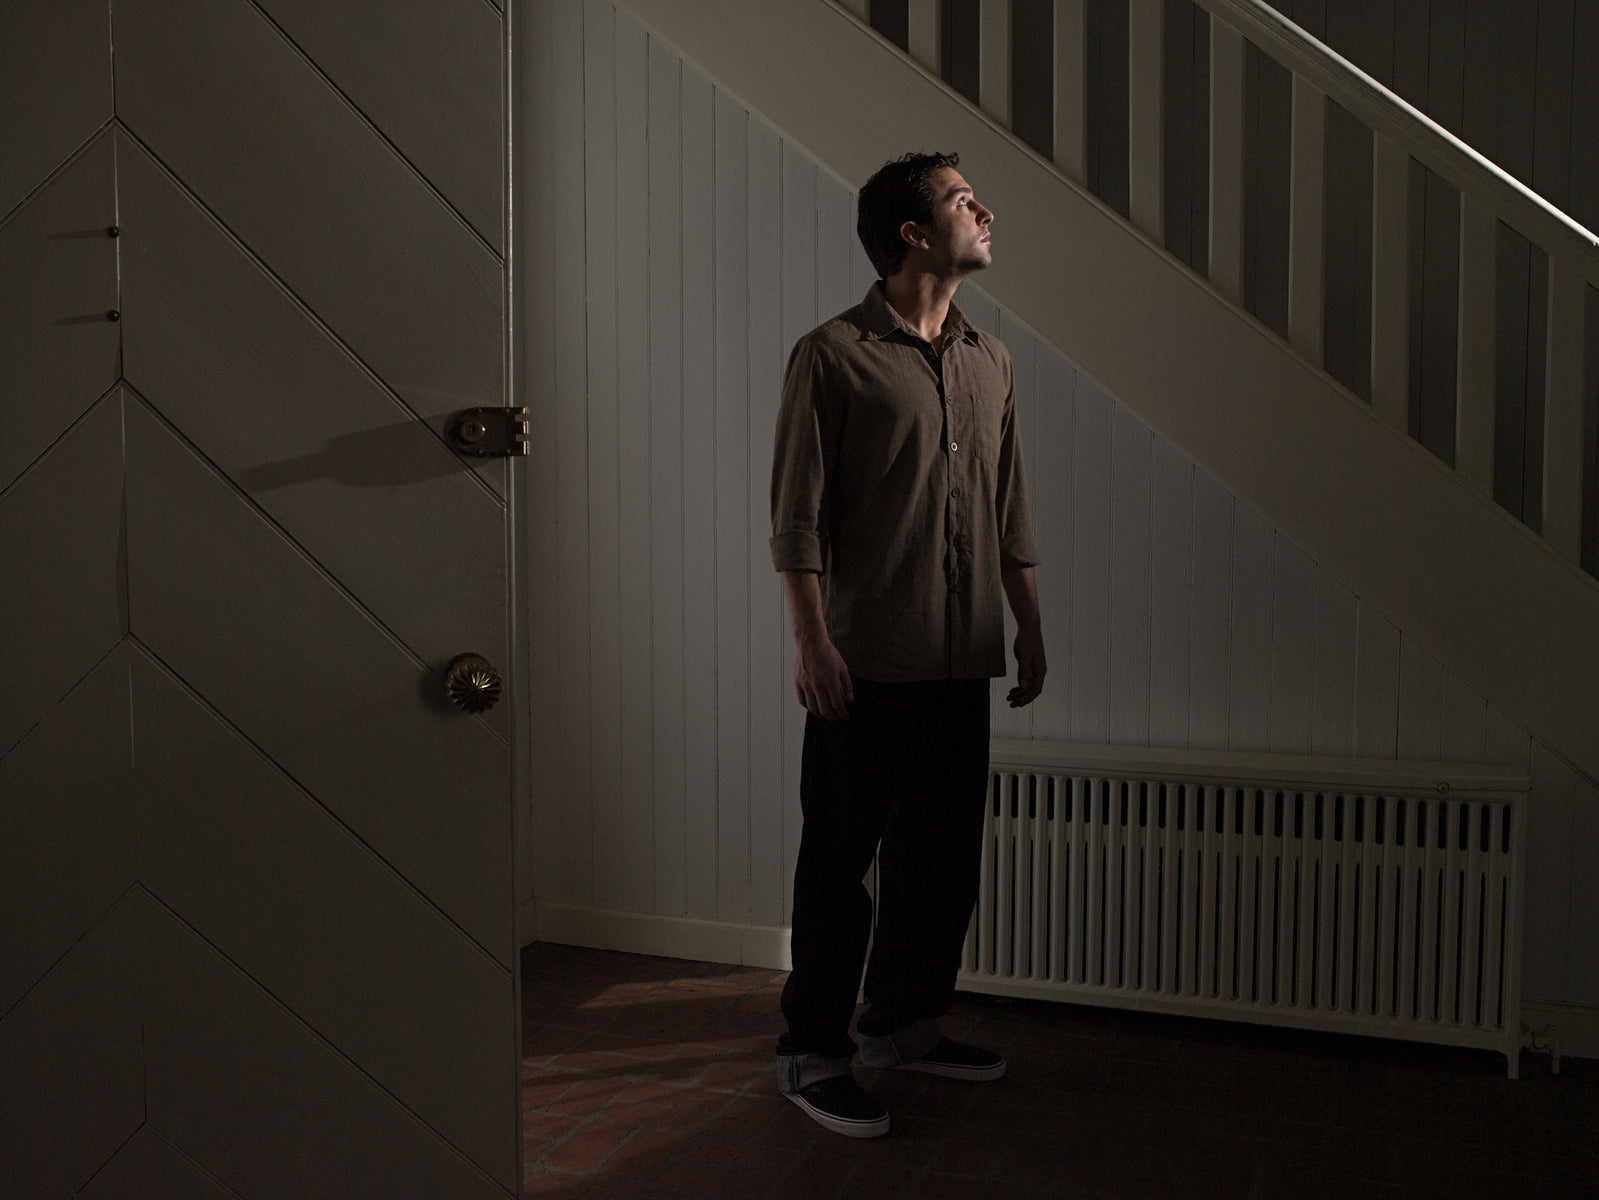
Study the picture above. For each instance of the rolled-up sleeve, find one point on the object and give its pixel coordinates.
(1016, 545)
(802, 460)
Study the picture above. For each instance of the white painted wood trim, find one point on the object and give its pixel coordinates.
(1227, 159)
(993, 83)
(861, 8)
(1071, 122)
(1390, 282)
(924, 37)
(1474, 413)
(1562, 452)
(1306, 229)
(663, 934)
(1382, 515)
(1423, 138)
(1145, 124)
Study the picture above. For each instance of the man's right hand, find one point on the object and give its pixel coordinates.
(821, 678)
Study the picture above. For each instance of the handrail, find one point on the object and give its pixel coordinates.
(1390, 114)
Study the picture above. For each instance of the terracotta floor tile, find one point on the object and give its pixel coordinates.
(652, 1079)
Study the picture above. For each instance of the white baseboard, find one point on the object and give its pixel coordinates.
(1575, 1027)
(664, 935)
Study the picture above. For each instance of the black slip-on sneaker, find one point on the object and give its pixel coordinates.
(843, 1106)
(957, 1060)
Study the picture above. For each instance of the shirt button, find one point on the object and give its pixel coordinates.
(954, 447)
(955, 492)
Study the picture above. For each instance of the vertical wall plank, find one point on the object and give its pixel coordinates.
(1071, 117)
(1050, 465)
(1333, 703)
(1421, 703)
(1306, 233)
(994, 40)
(604, 477)
(575, 881)
(1023, 346)
(699, 497)
(636, 857)
(1226, 159)
(1210, 614)
(800, 315)
(666, 552)
(731, 470)
(767, 695)
(1563, 409)
(1475, 390)
(1249, 664)
(1089, 665)
(1170, 571)
(835, 246)
(1465, 717)
(1376, 684)
(1390, 282)
(1145, 141)
(1293, 649)
(1132, 450)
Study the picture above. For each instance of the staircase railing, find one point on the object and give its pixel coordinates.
(1562, 508)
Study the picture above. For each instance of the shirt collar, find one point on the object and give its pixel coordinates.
(881, 320)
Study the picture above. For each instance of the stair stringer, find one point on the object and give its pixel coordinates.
(1481, 592)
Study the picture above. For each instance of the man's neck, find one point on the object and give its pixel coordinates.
(922, 301)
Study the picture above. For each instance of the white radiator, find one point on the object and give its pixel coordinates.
(1364, 896)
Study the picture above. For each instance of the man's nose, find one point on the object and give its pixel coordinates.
(984, 215)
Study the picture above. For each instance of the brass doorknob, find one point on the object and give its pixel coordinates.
(472, 683)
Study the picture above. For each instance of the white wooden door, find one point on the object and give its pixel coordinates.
(255, 874)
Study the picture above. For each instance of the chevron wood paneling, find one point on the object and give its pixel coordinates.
(149, 1165)
(72, 1086)
(58, 352)
(445, 114)
(284, 161)
(288, 415)
(324, 692)
(63, 518)
(55, 87)
(255, 874)
(271, 879)
(66, 812)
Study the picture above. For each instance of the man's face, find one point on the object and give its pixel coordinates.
(960, 238)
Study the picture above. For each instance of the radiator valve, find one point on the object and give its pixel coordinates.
(1544, 1041)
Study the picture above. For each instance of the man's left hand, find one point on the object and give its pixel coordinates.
(1030, 667)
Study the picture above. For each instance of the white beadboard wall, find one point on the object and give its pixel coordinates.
(677, 247)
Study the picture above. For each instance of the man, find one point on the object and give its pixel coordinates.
(899, 515)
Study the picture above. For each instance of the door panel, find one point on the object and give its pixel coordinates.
(291, 896)
(63, 519)
(58, 352)
(149, 1166)
(285, 162)
(448, 120)
(309, 433)
(55, 87)
(255, 872)
(293, 661)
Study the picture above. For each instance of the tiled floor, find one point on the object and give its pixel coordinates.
(652, 1078)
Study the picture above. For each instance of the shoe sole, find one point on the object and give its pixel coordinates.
(955, 1071)
(843, 1125)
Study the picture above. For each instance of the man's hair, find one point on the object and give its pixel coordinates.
(900, 191)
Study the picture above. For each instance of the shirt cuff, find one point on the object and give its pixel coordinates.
(797, 552)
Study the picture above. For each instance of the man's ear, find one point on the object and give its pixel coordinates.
(912, 234)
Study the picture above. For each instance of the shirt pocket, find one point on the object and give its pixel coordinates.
(985, 431)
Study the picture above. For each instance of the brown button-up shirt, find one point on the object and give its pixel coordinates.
(898, 477)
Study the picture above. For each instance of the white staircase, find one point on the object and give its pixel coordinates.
(1510, 610)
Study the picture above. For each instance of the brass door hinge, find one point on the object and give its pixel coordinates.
(490, 432)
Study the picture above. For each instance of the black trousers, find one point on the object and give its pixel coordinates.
(906, 778)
